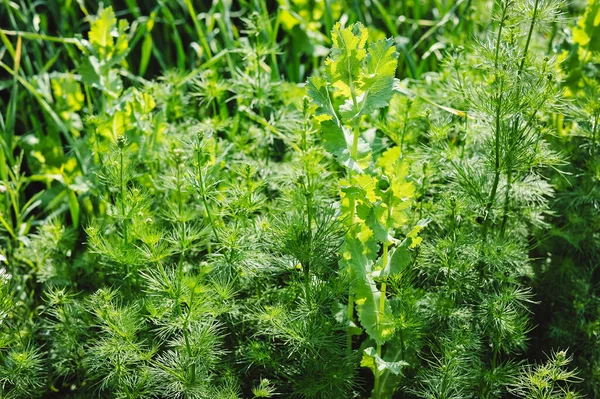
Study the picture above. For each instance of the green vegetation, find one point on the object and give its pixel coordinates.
(300, 199)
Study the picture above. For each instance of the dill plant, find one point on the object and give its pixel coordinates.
(487, 195)
(299, 319)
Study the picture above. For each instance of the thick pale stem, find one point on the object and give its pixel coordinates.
(381, 310)
(377, 388)
(350, 309)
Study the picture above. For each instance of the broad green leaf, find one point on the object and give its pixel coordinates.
(353, 256)
(103, 31)
(90, 72)
(67, 93)
(366, 294)
(378, 79)
(68, 99)
(96, 74)
(373, 361)
(368, 184)
(367, 298)
(376, 222)
(392, 368)
(414, 233)
(316, 88)
(346, 57)
(100, 34)
(399, 258)
(122, 45)
(338, 141)
(388, 159)
(587, 32)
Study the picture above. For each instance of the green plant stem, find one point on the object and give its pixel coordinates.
(328, 15)
(125, 226)
(381, 312)
(350, 309)
(353, 154)
(47, 38)
(186, 334)
(492, 197)
(122, 184)
(506, 202)
(306, 267)
(509, 173)
(180, 269)
(594, 133)
(529, 33)
(422, 191)
(181, 232)
(203, 196)
(499, 37)
(382, 298)
(350, 316)
(309, 216)
(404, 126)
(272, 34)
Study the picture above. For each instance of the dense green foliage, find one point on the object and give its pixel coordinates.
(300, 199)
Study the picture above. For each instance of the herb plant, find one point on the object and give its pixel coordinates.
(303, 199)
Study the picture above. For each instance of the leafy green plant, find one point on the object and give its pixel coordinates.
(180, 219)
(550, 380)
(376, 194)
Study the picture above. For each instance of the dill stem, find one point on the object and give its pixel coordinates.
(203, 196)
(594, 132)
(181, 235)
(350, 315)
(185, 331)
(499, 38)
(517, 120)
(125, 228)
(535, 9)
(492, 197)
(506, 202)
(306, 267)
(309, 217)
(422, 192)
(180, 268)
(122, 181)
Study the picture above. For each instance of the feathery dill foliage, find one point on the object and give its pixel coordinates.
(420, 219)
(486, 193)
